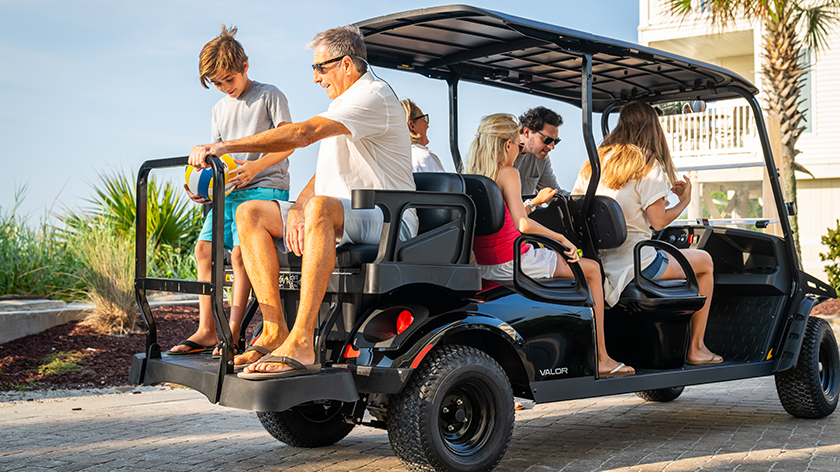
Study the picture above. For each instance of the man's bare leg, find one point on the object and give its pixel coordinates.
(205, 335)
(258, 223)
(324, 225)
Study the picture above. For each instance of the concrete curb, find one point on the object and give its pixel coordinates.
(19, 318)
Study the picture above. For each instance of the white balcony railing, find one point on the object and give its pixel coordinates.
(719, 130)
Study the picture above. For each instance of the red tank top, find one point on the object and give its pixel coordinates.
(497, 248)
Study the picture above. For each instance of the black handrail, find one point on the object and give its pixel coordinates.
(217, 271)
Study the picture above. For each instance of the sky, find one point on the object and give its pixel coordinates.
(98, 87)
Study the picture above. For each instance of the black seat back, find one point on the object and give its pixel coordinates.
(605, 221)
(437, 182)
(489, 204)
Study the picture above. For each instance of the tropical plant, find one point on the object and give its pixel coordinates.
(171, 219)
(35, 261)
(832, 241)
(790, 26)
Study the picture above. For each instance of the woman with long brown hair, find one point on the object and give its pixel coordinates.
(638, 173)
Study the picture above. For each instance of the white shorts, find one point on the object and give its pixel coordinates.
(538, 263)
(360, 226)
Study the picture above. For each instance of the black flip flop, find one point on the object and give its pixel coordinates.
(262, 350)
(195, 348)
(219, 347)
(297, 369)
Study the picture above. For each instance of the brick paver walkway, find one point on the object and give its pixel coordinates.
(723, 427)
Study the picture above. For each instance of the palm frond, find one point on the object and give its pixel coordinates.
(817, 20)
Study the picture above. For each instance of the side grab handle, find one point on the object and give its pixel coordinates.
(689, 288)
(550, 291)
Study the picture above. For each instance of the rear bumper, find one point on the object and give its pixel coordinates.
(200, 372)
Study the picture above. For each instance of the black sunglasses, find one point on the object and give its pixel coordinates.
(425, 117)
(319, 67)
(549, 140)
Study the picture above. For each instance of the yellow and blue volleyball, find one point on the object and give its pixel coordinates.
(200, 181)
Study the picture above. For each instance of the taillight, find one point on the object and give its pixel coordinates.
(351, 352)
(404, 320)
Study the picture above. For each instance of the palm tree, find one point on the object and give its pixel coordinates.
(790, 26)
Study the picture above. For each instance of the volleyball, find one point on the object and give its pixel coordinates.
(200, 181)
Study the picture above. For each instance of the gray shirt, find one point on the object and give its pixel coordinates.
(260, 108)
(535, 173)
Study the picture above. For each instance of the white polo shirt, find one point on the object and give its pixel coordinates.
(377, 152)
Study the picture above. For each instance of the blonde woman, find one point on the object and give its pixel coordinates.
(638, 173)
(492, 154)
(422, 160)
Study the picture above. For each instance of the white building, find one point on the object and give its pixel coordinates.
(700, 138)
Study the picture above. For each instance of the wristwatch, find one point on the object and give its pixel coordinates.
(530, 204)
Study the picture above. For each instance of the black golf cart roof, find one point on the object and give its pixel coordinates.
(509, 52)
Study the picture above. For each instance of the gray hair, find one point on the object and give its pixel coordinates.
(343, 41)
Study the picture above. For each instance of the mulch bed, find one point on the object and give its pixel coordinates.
(106, 359)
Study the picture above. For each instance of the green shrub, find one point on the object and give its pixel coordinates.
(832, 240)
(35, 261)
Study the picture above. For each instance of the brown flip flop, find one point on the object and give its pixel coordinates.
(297, 368)
(262, 350)
(715, 359)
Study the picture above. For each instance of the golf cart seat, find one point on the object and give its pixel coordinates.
(648, 328)
(490, 216)
(438, 254)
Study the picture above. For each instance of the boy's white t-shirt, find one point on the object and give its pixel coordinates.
(377, 152)
(634, 198)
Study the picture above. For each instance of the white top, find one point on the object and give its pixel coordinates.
(377, 152)
(634, 198)
(423, 160)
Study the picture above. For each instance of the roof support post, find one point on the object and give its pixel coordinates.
(452, 80)
(588, 139)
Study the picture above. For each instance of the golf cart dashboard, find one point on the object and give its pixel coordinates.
(744, 260)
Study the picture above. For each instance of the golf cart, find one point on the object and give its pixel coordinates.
(409, 332)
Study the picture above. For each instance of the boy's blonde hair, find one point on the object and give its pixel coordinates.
(632, 149)
(487, 151)
(410, 108)
(222, 54)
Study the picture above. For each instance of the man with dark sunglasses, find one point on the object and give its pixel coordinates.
(539, 133)
(364, 143)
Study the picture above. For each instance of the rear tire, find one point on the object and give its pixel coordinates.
(455, 414)
(661, 394)
(810, 389)
(309, 425)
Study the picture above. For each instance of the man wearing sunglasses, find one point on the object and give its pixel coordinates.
(364, 143)
(539, 133)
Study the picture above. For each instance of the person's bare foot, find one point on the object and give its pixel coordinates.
(703, 356)
(217, 351)
(196, 338)
(301, 352)
(608, 366)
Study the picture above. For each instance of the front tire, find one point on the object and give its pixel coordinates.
(455, 414)
(661, 394)
(309, 425)
(810, 389)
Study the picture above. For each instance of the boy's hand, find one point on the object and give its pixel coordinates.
(194, 197)
(243, 174)
(571, 252)
(294, 231)
(200, 152)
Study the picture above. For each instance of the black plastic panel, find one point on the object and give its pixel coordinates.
(741, 328)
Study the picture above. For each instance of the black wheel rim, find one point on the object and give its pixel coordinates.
(467, 417)
(828, 368)
(319, 412)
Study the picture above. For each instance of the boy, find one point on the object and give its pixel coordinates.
(248, 108)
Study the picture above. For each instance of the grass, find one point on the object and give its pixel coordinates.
(108, 275)
(61, 363)
(35, 261)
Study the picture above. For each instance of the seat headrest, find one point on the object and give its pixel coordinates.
(489, 204)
